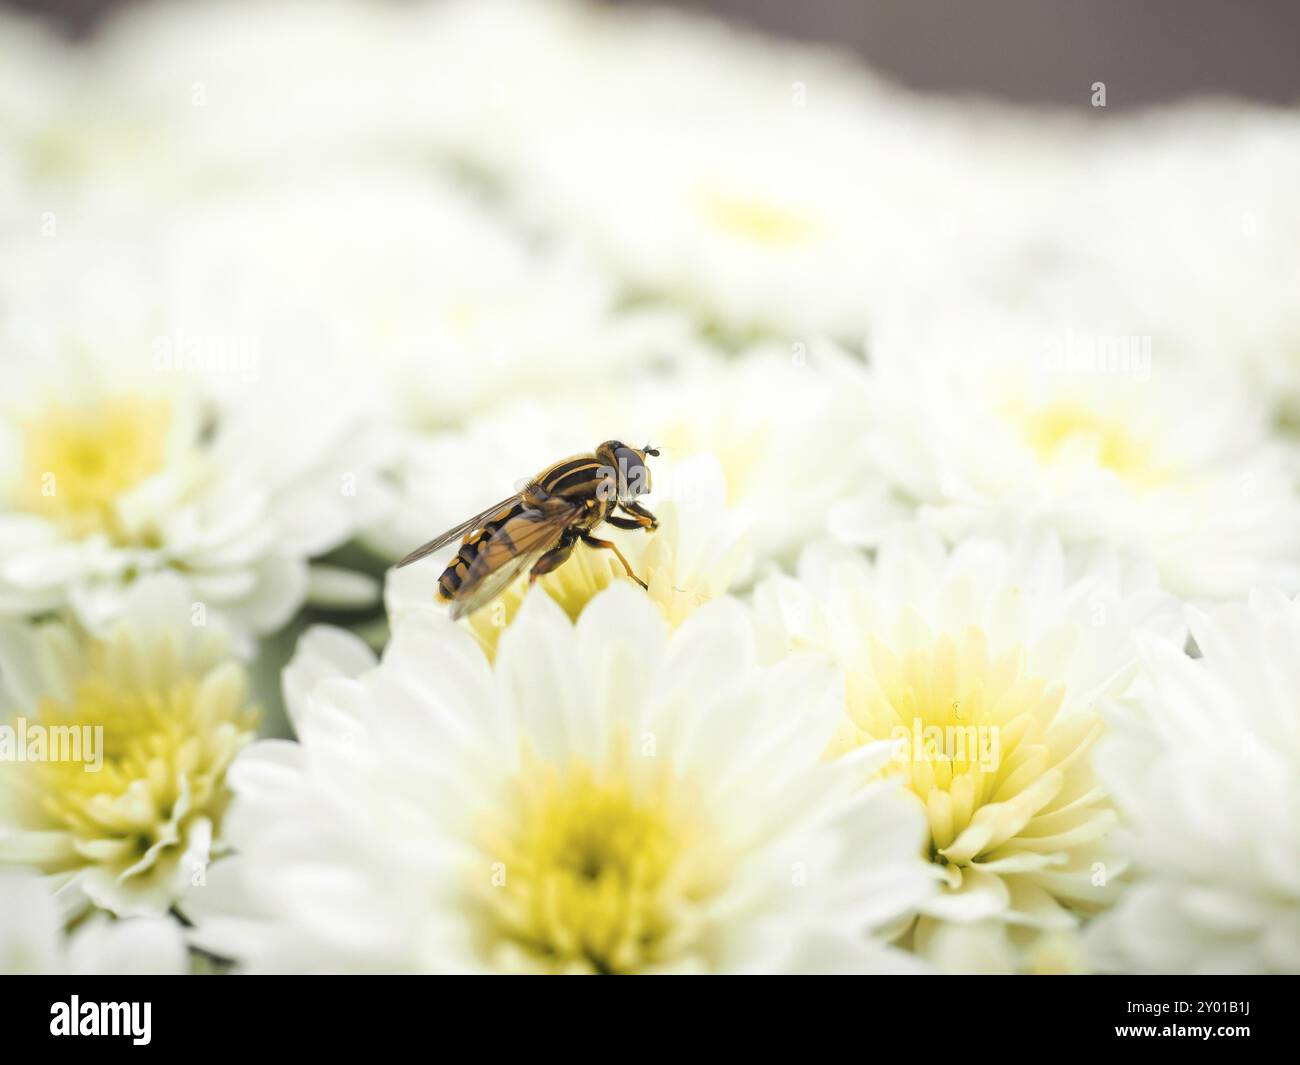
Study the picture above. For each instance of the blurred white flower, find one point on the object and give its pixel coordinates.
(606, 798)
(1204, 764)
(1209, 190)
(768, 187)
(36, 78)
(744, 224)
(986, 668)
(113, 467)
(171, 102)
(981, 418)
(146, 720)
(425, 299)
(785, 429)
(176, 100)
(1172, 229)
(32, 941)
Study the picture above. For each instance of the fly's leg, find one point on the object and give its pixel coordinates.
(640, 515)
(592, 541)
(552, 560)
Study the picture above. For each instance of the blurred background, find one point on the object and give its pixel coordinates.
(1033, 51)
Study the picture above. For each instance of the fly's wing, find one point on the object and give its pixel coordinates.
(455, 533)
(493, 584)
(509, 549)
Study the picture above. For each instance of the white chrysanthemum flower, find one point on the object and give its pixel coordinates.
(497, 74)
(784, 430)
(422, 295)
(770, 187)
(1212, 188)
(986, 667)
(111, 469)
(36, 79)
(754, 228)
(208, 96)
(695, 556)
(752, 414)
(606, 798)
(1204, 279)
(1204, 765)
(174, 102)
(116, 748)
(405, 291)
(990, 420)
(32, 941)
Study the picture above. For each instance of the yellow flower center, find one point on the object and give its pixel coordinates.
(980, 744)
(152, 741)
(586, 572)
(599, 869)
(678, 584)
(79, 461)
(756, 220)
(1059, 426)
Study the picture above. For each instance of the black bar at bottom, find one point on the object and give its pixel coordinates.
(1027, 1013)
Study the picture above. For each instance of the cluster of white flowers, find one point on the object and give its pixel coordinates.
(966, 642)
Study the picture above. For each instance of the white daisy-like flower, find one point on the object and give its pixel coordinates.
(1204, 764)
(208, 96)
(769, 187)
(115, 749)
(420, 295)
(986, 418)
(1210, 185)
(137, 302)
(606, 797)
(784, 428)
(173, 102)
(755, 229)
(751, 414)
(697, 553)
(497, 74)
(36, 79)
(768, 205)
(1199, 197)
(987, 668)
(113, 468)
(33, 943)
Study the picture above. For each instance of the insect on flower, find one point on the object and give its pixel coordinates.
(539, 526)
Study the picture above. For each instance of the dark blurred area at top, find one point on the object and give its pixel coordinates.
(1032, 51)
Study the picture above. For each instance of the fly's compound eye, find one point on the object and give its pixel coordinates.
(633, 476)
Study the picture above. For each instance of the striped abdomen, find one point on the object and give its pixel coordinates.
(482, 550)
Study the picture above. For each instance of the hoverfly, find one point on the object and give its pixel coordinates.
(537, 528)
